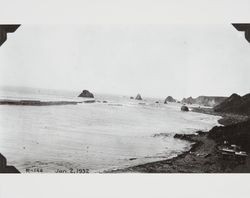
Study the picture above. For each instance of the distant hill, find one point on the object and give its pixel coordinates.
(188, 100)
(210, 101)
(235, 104)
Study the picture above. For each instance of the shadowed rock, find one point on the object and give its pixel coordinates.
(169, 99)
(86, 94)
(184, 108)
(138, 97)
(235, 134)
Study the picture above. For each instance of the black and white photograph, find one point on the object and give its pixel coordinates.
(139, 98)
(118, 99)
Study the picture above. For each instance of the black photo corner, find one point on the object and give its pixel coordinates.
(4, 30)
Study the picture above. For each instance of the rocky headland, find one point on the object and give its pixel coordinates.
(235, 104)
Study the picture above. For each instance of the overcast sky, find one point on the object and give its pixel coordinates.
(154, 60)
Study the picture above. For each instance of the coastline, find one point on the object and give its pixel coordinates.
(202, 157)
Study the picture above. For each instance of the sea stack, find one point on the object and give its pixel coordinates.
(138, 97)
(184, 108)
(86, 94)
(169, 99)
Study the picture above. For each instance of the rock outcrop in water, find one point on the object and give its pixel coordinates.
(210, 101)
(86, 94)
(169, 99)
(138, 97)
(184, 108)
(235, 104)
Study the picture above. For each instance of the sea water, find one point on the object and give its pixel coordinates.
(96, 136)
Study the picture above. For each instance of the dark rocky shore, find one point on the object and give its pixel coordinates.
(205, 155)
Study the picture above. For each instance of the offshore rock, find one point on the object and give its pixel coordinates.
(169, 99)
(138, 97)
(184, 108)
(86, 94)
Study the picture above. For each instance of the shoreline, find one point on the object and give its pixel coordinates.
(202, 157)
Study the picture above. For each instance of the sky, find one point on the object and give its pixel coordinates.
(153, 60)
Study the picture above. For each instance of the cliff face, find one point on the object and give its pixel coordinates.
(210, 101)
(235, 104)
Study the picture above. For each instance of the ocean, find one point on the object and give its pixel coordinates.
(92, 136)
